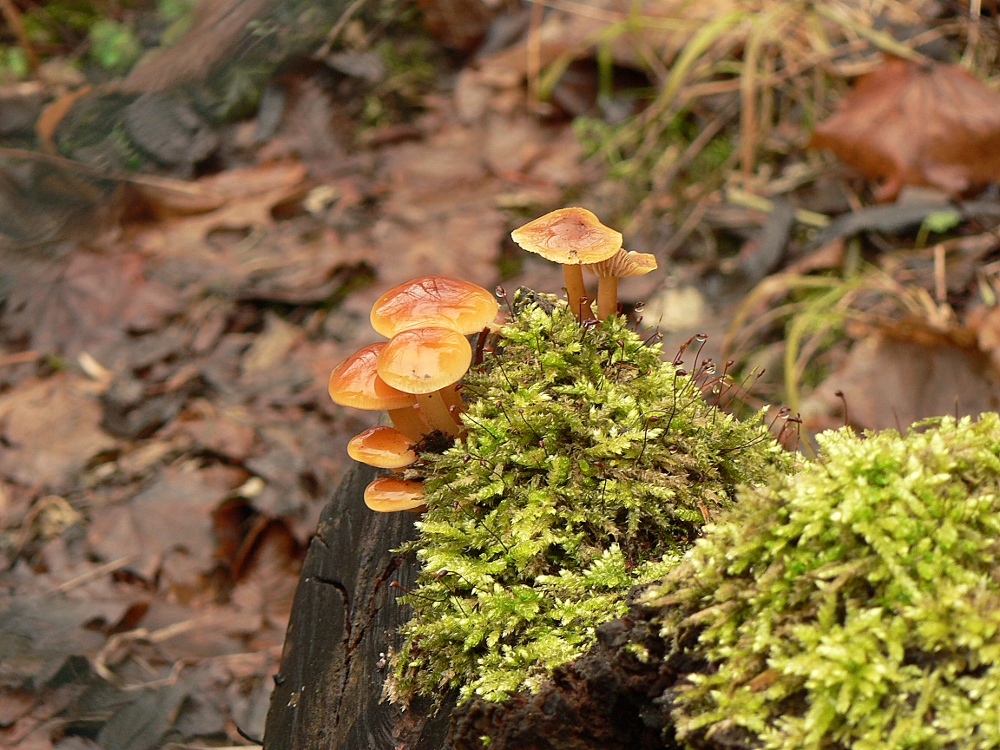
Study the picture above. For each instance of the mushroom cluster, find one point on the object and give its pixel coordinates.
(413, 376)
(576, 239)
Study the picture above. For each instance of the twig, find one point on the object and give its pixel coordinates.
(13, 17)
(91, 574)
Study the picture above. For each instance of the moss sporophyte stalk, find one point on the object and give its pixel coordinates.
(587, 467)
(853, 605)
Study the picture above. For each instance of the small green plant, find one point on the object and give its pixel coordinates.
(938, 222)
(855, 604)
(589, 466)
(13, 64)
(114, 45)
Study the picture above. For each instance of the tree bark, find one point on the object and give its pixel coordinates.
(328, 694)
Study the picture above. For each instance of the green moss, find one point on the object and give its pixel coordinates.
(588, 468)
(856, 604)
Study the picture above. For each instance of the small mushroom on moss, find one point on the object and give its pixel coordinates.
(355, 382)
(387, 494)
(623, 263)
(381, 446)
(434, 301)
(570, 237)
(425, 362)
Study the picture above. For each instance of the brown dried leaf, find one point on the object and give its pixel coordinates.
(167, 528)
(269, 579)
(910, 124)
(50, 430)
(890, 383)
(90, 304)
(460, 24)
(229, 435)
(234, 199)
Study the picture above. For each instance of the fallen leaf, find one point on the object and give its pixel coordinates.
(50, 430)
(460, 24)
(284, 262)
(236, 199)
(228, 435)
(891, 383)
(91, 304)
(911, 124)
(269, 581)
(272, 345)
(167, 527)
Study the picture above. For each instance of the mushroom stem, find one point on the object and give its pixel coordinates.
(408, 421)
(576, 292)
(607, 297)
(453, 399)
(435, 411)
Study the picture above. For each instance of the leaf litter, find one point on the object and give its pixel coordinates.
(169, 445)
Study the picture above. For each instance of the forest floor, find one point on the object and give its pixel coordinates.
(166, 439)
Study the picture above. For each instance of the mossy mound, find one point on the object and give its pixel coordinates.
(589, 467)
(853, 605)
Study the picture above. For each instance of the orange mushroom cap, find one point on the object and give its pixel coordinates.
(424, 360)
(569, 236)
(387, 494)
(355, 382)
(384, 447)
(434, 301)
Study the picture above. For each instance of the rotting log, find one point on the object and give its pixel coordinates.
(328, 693)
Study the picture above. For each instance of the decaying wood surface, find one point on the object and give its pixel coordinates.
(328, 694)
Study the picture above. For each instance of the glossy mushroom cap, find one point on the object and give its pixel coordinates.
(424, 360)
(355, 382)
(434, 301)
(384, 447)
(387, 494)
(625, 263)
(569, 236)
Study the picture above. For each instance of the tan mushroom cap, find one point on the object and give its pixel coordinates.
(569, 236)
(355, 382)
(381, 446)
(434, 301)
(625, 263)
(387, 494)
(424, 360)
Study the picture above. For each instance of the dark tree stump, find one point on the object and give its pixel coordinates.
(328, 694)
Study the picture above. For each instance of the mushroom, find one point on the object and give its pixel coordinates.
(434, 301)
(384, 447)
(570, 236)
(355, 382)
(622, 263)
(387, 494)
(425, 361)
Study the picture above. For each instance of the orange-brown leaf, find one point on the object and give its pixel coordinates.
(911, 124)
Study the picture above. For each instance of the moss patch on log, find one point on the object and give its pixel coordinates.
(855, 604)
(589, 467)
